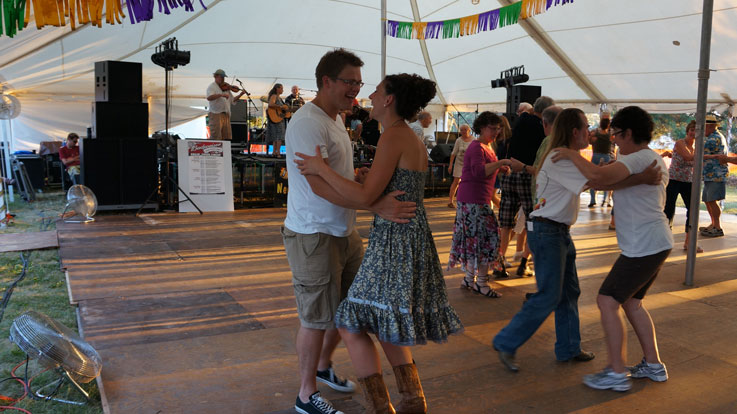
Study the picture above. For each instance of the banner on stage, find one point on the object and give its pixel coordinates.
(206, 167)
(205, 171)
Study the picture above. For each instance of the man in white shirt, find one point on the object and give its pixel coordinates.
(323, 247)
(219, 102)
(424, 119)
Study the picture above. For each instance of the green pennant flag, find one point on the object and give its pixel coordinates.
(404, 30)
(451, 28)
(510, 14)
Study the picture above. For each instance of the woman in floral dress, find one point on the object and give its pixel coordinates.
(399, 292)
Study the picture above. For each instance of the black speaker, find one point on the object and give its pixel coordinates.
(118, 81)
(121, 172)
(35, 167)
(240, 132)
(522, 93)
(239, 112)
(119, 120)
(441, 153)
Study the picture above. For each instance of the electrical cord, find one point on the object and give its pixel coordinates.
(9, 290)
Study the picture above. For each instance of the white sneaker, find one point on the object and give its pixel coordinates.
(609, 380)
(656, 372)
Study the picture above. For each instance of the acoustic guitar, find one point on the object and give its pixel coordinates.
(277, 115)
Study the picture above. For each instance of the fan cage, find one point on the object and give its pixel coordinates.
(55, 345)
(82, 200)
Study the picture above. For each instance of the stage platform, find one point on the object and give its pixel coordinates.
(195, 314)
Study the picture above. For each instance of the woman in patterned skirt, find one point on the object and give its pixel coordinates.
(476, 231)
(399, 292)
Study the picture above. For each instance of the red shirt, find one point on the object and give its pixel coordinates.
(66, 152)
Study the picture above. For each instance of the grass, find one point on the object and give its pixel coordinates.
(43, 290)
(730, 203)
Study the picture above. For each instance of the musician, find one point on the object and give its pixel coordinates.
(294, 100)
(275, 130)
(220, 99)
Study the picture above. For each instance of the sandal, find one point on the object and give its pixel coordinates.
(466, 284)
(490, 294)
(698, 249)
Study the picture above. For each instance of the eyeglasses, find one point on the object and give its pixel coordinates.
(495, 128)
(615, 133)
(351, 82)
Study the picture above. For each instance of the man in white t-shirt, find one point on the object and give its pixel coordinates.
(424, 119)
(219, 103)
(322, 245)
(645, 239)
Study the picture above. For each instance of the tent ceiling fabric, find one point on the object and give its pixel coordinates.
(624, 48)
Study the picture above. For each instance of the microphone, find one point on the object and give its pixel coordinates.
(244, 89)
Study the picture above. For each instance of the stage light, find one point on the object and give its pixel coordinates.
(168, 55)
(510, 77)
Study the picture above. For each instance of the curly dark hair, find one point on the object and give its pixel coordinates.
(411, 93)
(637, 120)
(333, 62)
(485, 118)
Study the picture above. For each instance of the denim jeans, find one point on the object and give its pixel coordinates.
(557, 290)
(595, 159)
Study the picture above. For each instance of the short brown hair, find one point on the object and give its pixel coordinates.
(72, 135)
(333, 62)
(691, 125)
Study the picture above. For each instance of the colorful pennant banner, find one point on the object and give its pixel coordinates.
(15, 14)
(470, 25)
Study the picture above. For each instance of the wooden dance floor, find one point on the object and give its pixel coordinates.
(196, 314)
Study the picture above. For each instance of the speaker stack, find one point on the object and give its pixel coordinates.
(518, 94)
(119, 162)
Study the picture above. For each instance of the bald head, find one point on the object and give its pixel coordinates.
(425, 119)
(524, 107)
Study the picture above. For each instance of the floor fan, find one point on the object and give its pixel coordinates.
(59, 348)
(81, 201)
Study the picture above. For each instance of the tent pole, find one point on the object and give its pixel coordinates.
(7, 139)
(383, 39)
(703, 77)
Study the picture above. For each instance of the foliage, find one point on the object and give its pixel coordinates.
(672, 127)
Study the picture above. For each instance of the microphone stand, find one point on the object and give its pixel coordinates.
(248, 114)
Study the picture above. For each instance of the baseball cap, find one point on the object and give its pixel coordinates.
(220, 72)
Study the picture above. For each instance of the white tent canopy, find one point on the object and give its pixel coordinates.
(583, 53)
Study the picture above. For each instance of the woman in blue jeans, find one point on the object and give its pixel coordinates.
(559, 186)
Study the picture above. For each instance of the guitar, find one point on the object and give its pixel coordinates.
(277, 115)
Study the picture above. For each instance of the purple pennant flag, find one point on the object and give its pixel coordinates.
(391, 28)
(489, 20)
(433, 30)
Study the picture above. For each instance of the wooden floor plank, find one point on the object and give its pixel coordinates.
(17, 242)
(196, 313)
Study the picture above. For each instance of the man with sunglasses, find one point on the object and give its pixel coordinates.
(322, 245)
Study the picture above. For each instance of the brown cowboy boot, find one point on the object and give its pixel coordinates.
(377, 396)
(408, 383)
